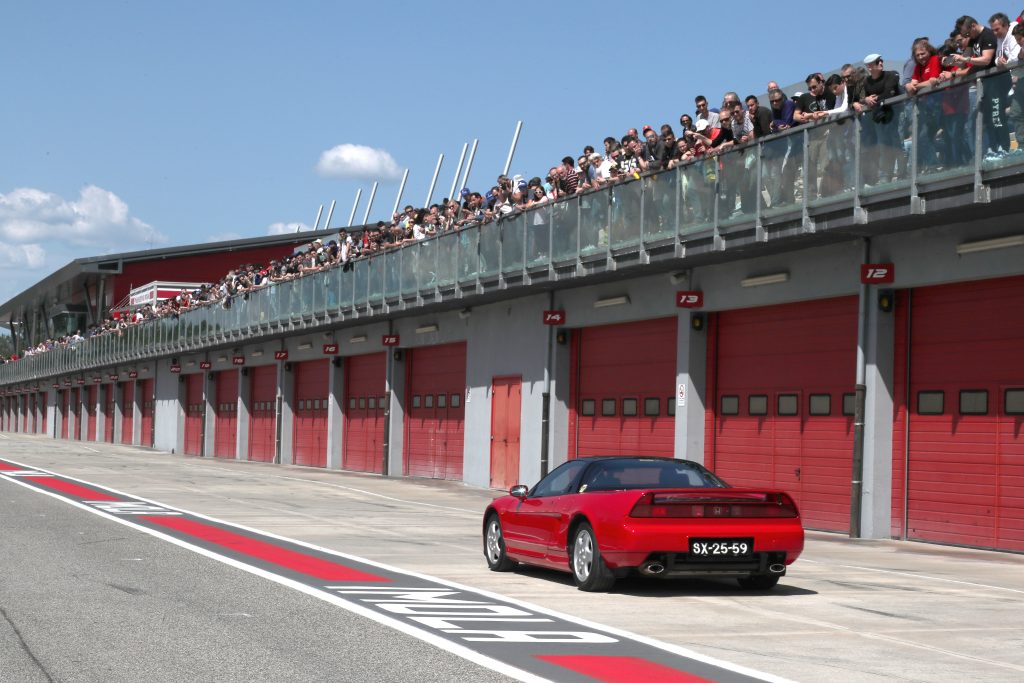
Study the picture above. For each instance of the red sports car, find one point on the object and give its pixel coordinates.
(603, 518)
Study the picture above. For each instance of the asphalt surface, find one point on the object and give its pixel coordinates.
(858, 611)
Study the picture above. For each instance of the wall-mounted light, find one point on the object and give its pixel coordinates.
(190, 363)
(257, 353)
(424, 329)
(886, 300)
(397, 354)
(611, 301)
(697, 322)
(989, 245)
(562, 337)
(222, 359)
(465, 313)
(678, 278)
(336, 361)
(358, 339)
(305, 346)
(773, 279)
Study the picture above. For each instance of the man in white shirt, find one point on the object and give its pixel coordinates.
(1007, 51)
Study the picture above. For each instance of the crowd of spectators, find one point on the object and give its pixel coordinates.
(721, 184)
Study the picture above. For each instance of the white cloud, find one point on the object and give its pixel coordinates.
(42, 231)
(358, 161)
(286, 228)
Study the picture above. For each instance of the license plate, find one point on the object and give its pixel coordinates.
(721, 547)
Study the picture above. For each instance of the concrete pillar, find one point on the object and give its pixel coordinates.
(209, 414)
(558, 418)
(335, 420)
(690, 387)
(876, 499)
(52, 413)
(395, 413)
(119, 411)
(136, 408)
(244, 409)
(285, 414)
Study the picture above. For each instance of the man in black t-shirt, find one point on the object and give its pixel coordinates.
(880, 124)
(983, 47)
(813, 106)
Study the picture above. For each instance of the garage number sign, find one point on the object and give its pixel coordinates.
(690, 299)
(554, 317)
(877, 273)
(389, 340)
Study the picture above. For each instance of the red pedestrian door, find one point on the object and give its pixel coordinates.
(65, 412)
(309, 435)
(148, 407)
(127, 411)
(506, 408)
(434, 420)
(194, 414)
(262, 413)
(109, 403)
(92, 398)
(76, 414)
(41, 403)
(225, 428)
(365, 382)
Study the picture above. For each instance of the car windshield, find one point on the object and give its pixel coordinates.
(612, 475)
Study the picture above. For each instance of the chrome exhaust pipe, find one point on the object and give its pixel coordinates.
(653, 568)
(776, 568)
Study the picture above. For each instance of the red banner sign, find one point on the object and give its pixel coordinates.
(877, 273)
(690, 299)
(238, 360)
(280, 355)
(175, 369)
(205, 365)
(97, 380)
(132, 374)
(554, 317)
(113, 378)
(389, 340)
(330, 349)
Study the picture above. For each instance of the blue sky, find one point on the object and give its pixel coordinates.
(130, 124)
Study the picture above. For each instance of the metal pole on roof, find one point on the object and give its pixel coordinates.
(512, 149)
(316, 223)
(458, 170)
(373, 193)
(330, 213)
(352, 216)
(469, 165)
(401, 189)
(433, 183)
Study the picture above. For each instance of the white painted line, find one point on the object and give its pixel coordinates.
(377, 495)
(404, 628)
(916, 576)
(91, 450)
(4, 437)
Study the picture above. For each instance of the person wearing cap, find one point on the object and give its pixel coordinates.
(880, 133)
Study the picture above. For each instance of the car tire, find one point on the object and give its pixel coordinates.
(494, 546)
(759, 582)
(589, 571)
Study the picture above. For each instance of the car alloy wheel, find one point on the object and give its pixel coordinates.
(588, 568)
(583, 555)
(494, 546)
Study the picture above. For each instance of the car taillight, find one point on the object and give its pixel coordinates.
(683, 506)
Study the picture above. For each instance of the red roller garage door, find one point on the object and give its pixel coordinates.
(309, 440)
(194, 414)
(364, 413)
(148, 407)
(262, 411)
(964, 471)
(781, 378)
(109, 403)
(623, 384)
(127, 411)
(92, 398)
(76, 412)
(225, 412)
(436, 377)
(65, 412)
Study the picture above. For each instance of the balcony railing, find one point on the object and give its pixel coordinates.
(931, 141)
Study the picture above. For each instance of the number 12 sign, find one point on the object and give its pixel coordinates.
(877, 273)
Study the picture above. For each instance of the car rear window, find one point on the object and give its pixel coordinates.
(614, 475)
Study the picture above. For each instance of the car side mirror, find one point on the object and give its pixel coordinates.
(519, 491)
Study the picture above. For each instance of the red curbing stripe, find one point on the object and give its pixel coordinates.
(69, 488)
(251, 547)
(6, 467)
(622, 669)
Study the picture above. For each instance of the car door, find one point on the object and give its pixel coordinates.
(530, 526)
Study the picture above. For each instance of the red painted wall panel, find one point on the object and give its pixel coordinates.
(436, 385)
(309, 440)
(225, 411)
(365, 383)
(782, 356)
(262, 413)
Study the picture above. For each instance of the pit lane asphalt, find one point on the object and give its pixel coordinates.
(856, 611)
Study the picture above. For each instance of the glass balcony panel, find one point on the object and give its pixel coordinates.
(594, 210)
(1002, 119)
(660, 192)
(830, 161)
(885, 147)
(490, 249)
(447, 253)
(360, 273)
(469, 254)
(393, 272)
(565, 219)
(375, 279)
(427, 265)
(512, 244)
(309, 284)
(737, 186)
(538, 236)
(782, 161)
(410, 266)
(625, 220)
(320, 288)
